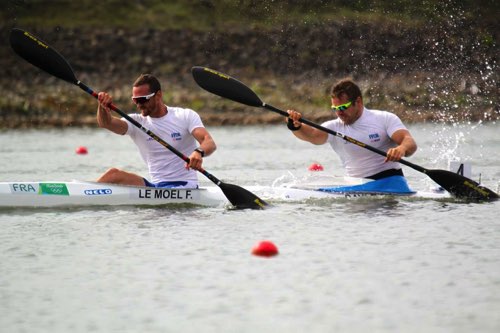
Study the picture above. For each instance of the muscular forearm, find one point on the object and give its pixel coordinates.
(305, 132)
(205, 140)
(409, 145)
(104, 118)
(208, 145)
(406, 145)
(312, 135)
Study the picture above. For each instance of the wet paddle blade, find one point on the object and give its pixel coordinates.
(241, 198)
(40, 54)
(460, 186)
(225, 86)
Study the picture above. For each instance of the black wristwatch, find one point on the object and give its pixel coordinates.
(291, 126)
(201, 151)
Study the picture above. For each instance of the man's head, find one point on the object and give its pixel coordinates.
(147, 95)
(347, 101)
(152, 82)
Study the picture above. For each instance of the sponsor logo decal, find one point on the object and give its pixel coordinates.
(176, 136)
(100, 191)
(53, 189)
(374, 137)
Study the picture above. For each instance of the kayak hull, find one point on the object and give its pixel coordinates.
(75, 193)
(81, 193)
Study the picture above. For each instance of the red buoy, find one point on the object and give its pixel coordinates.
(81, 150)
(315, 167)
(265, 249)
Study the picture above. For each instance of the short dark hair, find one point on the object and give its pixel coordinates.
(150, 80)
(346, 87)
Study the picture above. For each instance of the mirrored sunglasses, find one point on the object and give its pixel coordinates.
(342, 107)
(142, 99)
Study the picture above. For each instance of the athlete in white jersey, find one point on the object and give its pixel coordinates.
(380, 129)
(180, 128)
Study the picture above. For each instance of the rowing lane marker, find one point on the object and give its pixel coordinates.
(265, 249)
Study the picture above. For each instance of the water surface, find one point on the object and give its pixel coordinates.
(369, 264)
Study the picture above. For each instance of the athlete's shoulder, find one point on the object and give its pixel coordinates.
(375, 112)
(184, 113)
(380, 114)
(136, 116)
(180, 110)
(333, 123)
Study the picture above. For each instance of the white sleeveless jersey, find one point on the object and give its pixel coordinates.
(373, 128)
(174, 128)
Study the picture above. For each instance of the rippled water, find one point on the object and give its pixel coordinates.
(369, 264)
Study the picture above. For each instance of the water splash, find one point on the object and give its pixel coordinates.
(450, 140)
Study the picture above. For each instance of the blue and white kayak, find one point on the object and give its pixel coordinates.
(319, 187)
(84, 193)
(394, 185)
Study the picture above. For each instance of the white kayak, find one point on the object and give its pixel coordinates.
(84, 193)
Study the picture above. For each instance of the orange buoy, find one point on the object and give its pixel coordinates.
(315, 167)
(81, 150)
(265, 249)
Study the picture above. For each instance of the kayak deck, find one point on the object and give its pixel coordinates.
(81, 193)
(76, 193)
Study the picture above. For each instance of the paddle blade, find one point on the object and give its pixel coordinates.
(241, 198)
(460, 186)
(225, 86)
(40, 54)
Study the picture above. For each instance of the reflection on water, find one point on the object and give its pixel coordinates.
(387, 207)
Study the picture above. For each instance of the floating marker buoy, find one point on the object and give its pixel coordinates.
(265, 249)
(81, 150)
(315, 167)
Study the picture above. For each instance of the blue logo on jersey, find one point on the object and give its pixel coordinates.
(176, 136)
(374, 137)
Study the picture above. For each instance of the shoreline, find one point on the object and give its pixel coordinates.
(48, 121)
(437, 75)
(46, 102)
